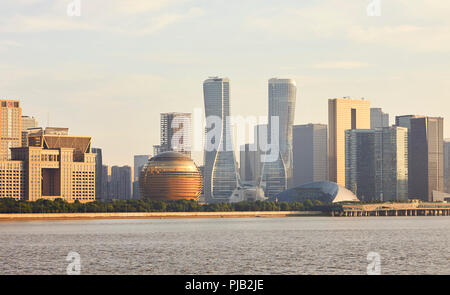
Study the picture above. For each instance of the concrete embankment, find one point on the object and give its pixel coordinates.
(154, 215)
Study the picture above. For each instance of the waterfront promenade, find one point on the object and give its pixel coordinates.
(155, 215)
(394, 209)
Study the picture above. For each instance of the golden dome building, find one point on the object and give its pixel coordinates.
(170, 176)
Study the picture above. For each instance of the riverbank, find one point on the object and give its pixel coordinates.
(155, 215)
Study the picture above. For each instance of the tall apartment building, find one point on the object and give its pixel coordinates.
(98, 172)
(175, 133)
(426, 173)
(310, 150)
(447, 165)
(277, 175)
(220, 172)
(139, 163)
(51, 167)
(378, 119)
(391, 156)
(10, 127)
(27, 123)
(120, 186)
(360, 163)
(343, 114)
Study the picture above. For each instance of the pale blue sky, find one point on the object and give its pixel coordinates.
(111, 71)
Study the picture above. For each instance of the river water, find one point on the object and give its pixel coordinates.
(294, 245)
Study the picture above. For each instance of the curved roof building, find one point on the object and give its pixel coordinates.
(324, 191)
(170, 176)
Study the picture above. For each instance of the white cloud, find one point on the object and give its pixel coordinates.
(125, 17)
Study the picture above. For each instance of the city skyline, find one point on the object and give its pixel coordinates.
(54, 63)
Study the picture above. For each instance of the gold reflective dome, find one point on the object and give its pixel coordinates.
(170, 176)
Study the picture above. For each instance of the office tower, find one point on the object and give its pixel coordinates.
(343, 114)
(447, 165)
(220, 175)
(106, 178)
(360, 163)
(175, 133)
(391, 156)
(120, 184)
(426, 163)
(98, 172)
(277, 175)
(27, 123)
(250, 160)
(51, 167)
(139, 163)
(378, 119)
(10, 127)
(310, 149)
(405, 121)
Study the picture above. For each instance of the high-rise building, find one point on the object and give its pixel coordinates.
(139, 163)
(10, 127)
(360, 163)
(175, 133)
(120, 186)
(310, 149)
(249, 160)
(343, 114)
(27, 123)
(426, 162)
(447, 165)
(391, 156)
(98, 172)
(106, 179)
(277, 175)
(51, 167)
(220, 172)
(378, 119)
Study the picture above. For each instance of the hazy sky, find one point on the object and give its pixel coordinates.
(110, 72)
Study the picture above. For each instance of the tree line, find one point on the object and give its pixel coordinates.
(145, 205)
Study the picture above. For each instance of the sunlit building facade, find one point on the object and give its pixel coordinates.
(343, 114)
(220, 172)
(51, 167)
(277, 175)
(27, 123)
(10, 127)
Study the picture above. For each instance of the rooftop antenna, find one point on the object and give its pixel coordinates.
(48, 119)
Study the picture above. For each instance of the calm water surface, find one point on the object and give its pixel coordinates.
(304, 245)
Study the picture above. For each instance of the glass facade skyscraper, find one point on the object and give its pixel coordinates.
(220, 172)
(277, 175)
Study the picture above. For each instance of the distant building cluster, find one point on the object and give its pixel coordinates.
(37, 163)
(357, 155)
